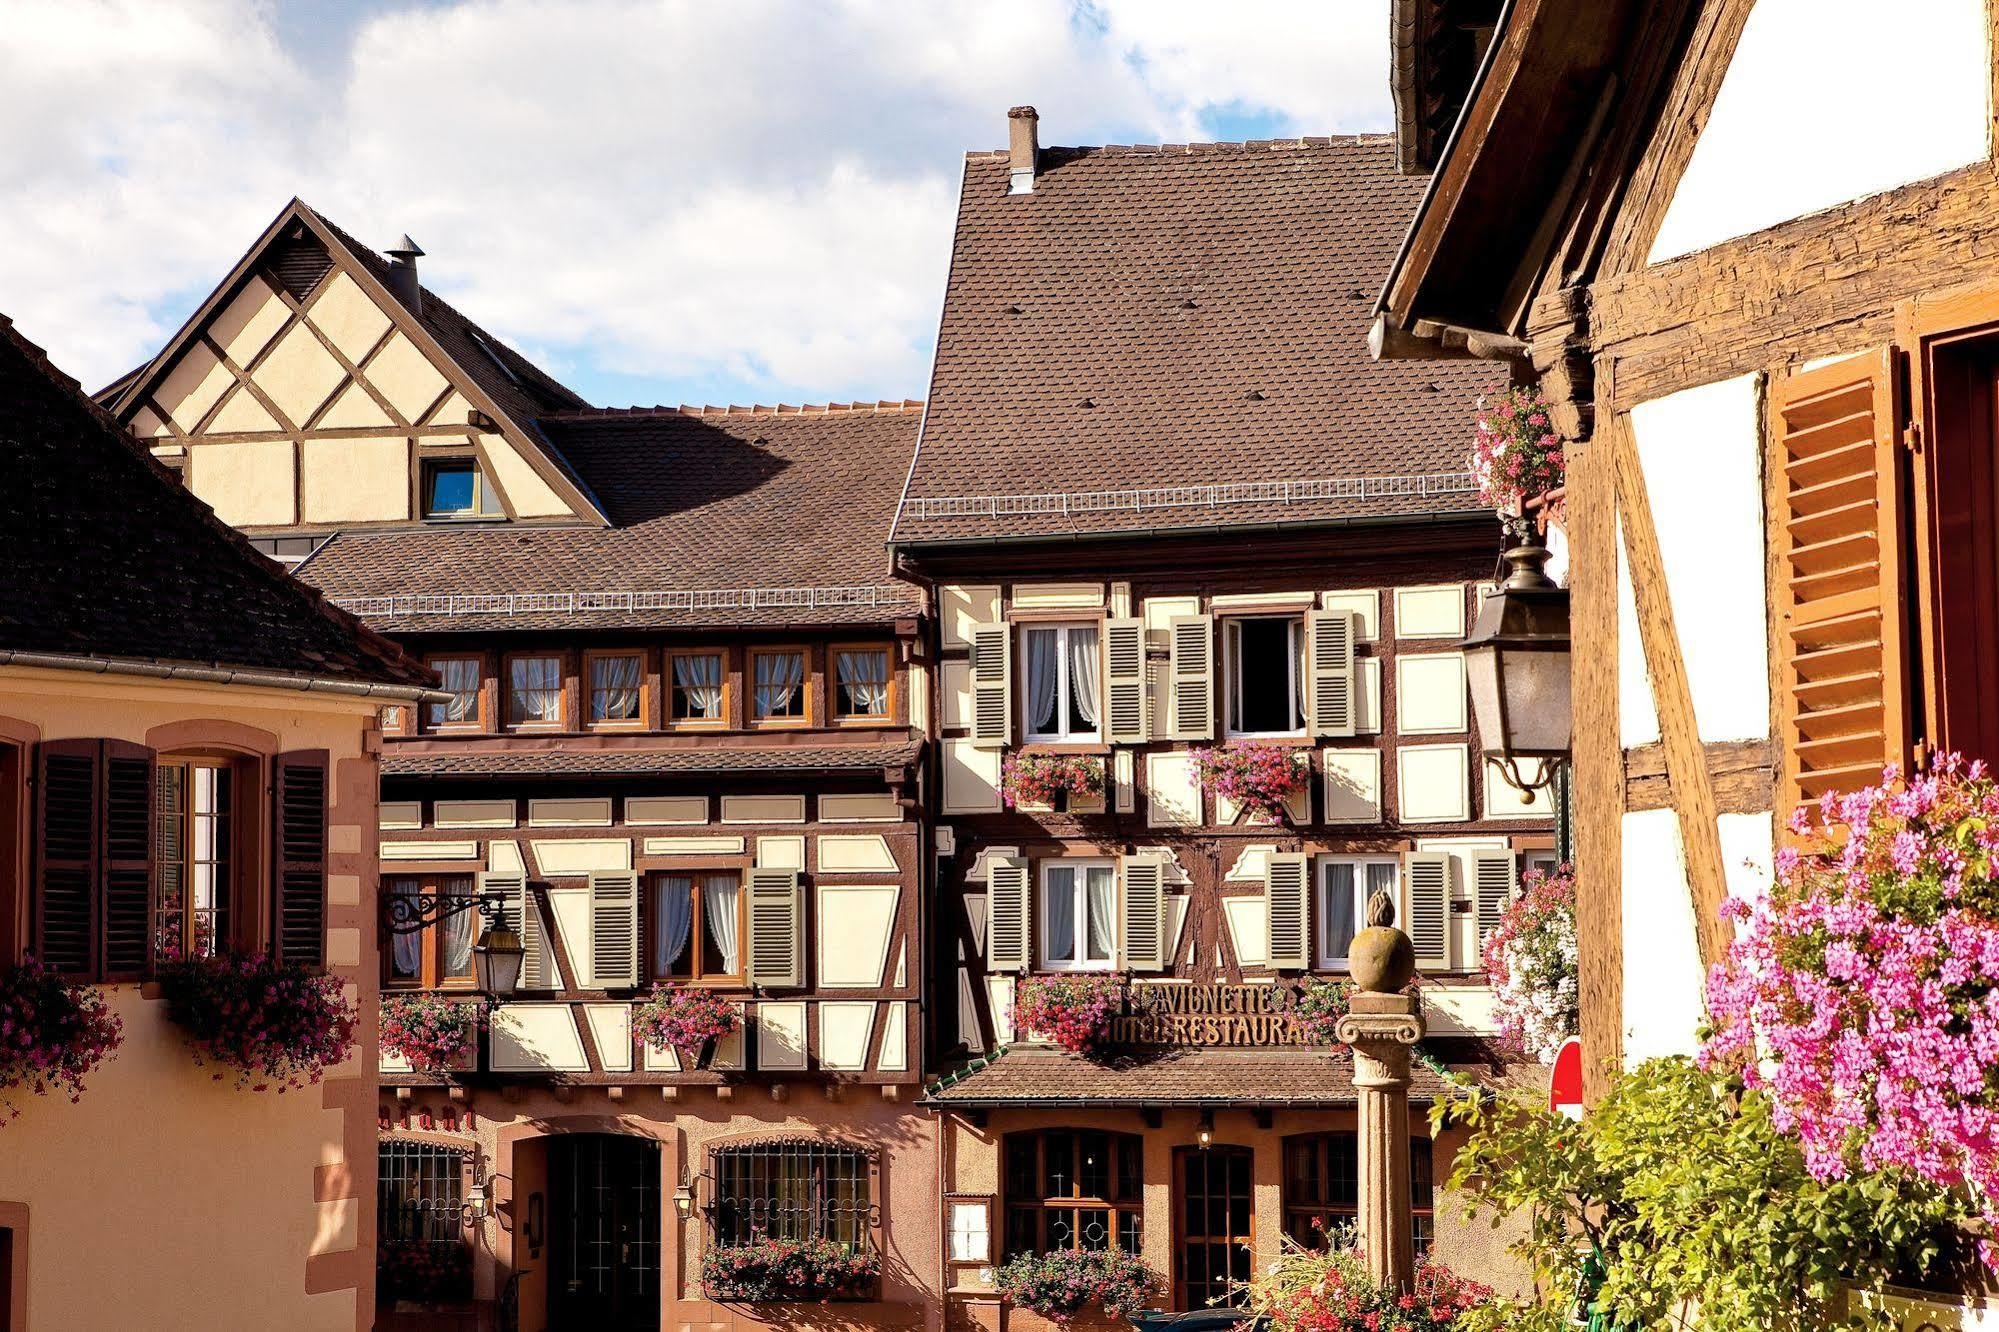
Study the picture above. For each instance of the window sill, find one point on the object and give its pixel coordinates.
(784, 724)
(535, 728)
(1079, 747)
(1281, 740)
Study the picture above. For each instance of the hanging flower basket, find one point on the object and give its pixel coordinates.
(1256, 778)
(787, 1272)
(432, 1033)
(1321, 1005)
(1060, 1285)
(681, 1018)
(278, 1024)
(1516, 455)
(1863, 989)
(53, 1032)
(1530, 960)
(1038, 779)
(1073, 1011)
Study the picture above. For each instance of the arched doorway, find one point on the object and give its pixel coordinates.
(604, 1233)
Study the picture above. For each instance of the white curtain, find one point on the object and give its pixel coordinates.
(1301, 669)
(1083, 673)
(1043, 684)
(1060, 887)
(458, 931)
(671, 923)
(864, 675)
(718, 908)
(1103, 911)
(1341, 913)
(407, 949)
(459, 677)
(700, 681)
(537, 689)
(615, 690)
(1379, 876)
(779, 676)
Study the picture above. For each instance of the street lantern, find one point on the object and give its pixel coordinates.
(496, 960)
(1517, 665)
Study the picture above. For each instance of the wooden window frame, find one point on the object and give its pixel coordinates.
(241, 824)
(1421, 1184)
(893, 707)
(809, 682)
(587, 690)
(563, 692)
(1075, 1203)
(482, 706)
(1228, 627)
(1081, 865)
(430, 961)
(669, 691)
(408, 714)
(1316, 902)
(1065, 742)
(648, 917)
(428, 460)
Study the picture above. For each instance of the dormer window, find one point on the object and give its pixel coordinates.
(456, 488)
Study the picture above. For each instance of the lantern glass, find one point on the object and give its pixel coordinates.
(1517, 663)
(496, 960)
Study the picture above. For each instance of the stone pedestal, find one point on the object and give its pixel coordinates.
(1381, 1028)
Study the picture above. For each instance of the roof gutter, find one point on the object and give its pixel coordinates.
(159, 670)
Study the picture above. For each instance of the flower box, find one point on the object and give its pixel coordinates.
(429, 1033)
(422, 1274)
(277, 1024)
(53, 1032)
(1073, 1011)
(1321, 1005)
(773, 1271)
(1062, 1285)
(685, 1020)
(1254, 780)
(1041, 783)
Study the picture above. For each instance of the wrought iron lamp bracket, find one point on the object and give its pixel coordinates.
(408, 913)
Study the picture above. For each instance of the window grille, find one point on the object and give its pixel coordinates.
(1073, 1189)
(420, 1193)
(792, 1191)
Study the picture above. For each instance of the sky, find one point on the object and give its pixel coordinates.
(657, 200)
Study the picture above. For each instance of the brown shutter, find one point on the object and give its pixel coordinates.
(537, 958)
(992, 685)
(1191, 677)
(1426, 889)
(1843, 694)
(127, 905)
(68, 819)
(614, 929)
(1329, 640)
(298, 856)
(1124, 682)
(776, 921)
(1494, 874)
(1007, 914)
(1286, 876)
(1143, 929)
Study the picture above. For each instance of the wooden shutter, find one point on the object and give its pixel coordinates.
(1841, 568)
(1329, 639)
(68, 819)
(776, 923)
(1286, 883)
(1007, 914)
(127, 905)
(1124, 682)
(992, 685)
(1494, 874)
(1142, 928)
(614, 929)
(298, 856)
(1426, 888)
(523, 915)
(1191, 677)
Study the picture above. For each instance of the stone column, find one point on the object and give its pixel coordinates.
(1380, 1029)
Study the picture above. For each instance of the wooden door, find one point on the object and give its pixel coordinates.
(604, 1232)
(1213, 1225)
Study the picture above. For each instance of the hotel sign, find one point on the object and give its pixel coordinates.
(1166, 1013)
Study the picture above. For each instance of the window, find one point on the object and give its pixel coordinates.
(1059, 664)
(456, 488)
(617, 687)
(1345, 886)
(1266, 675)
(438, 955)
(697, 688)
(460, 678)
(1073, 1189)
(192, 856)
(697, 927)
(1078, 915)
(1321, 1190)
(420, 1228)
(798, 1190)
(861, 682)
(534, 691)
(778, 694)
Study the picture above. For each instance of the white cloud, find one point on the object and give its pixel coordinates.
(686, 192)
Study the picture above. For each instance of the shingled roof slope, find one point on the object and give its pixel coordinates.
(748, 510)
(107, 556)
(1174, 319)
(1044, 1076)
(460, 761)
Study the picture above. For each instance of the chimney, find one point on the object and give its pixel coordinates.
(1023, 146)
(402, 274)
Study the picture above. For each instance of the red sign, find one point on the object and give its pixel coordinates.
(1565, 1090)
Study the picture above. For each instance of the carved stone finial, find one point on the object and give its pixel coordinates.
(1381, 909)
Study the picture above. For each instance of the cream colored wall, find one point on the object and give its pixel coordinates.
(356, 480)
(248, 483)
(531, 496)
(164, 1198)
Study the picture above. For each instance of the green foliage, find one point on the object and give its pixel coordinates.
(1681, 1182)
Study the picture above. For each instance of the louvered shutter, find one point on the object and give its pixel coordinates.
(1494, 874)
(68, 816)
(1426, 891)
(127, 906)
(614, 929)
(523, 916)
(1840, 599)
(1191, 677)
(298, 859)
(776, 924)
(1124, 682)
(1007, 915)
(992, 685)
(1142, 927)
(1329, 637)
(1286, 880)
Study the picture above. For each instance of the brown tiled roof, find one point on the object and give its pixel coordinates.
(1174, 319)
(772, 516)
(616, 762)
(105, 555)
(1036, 1075)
